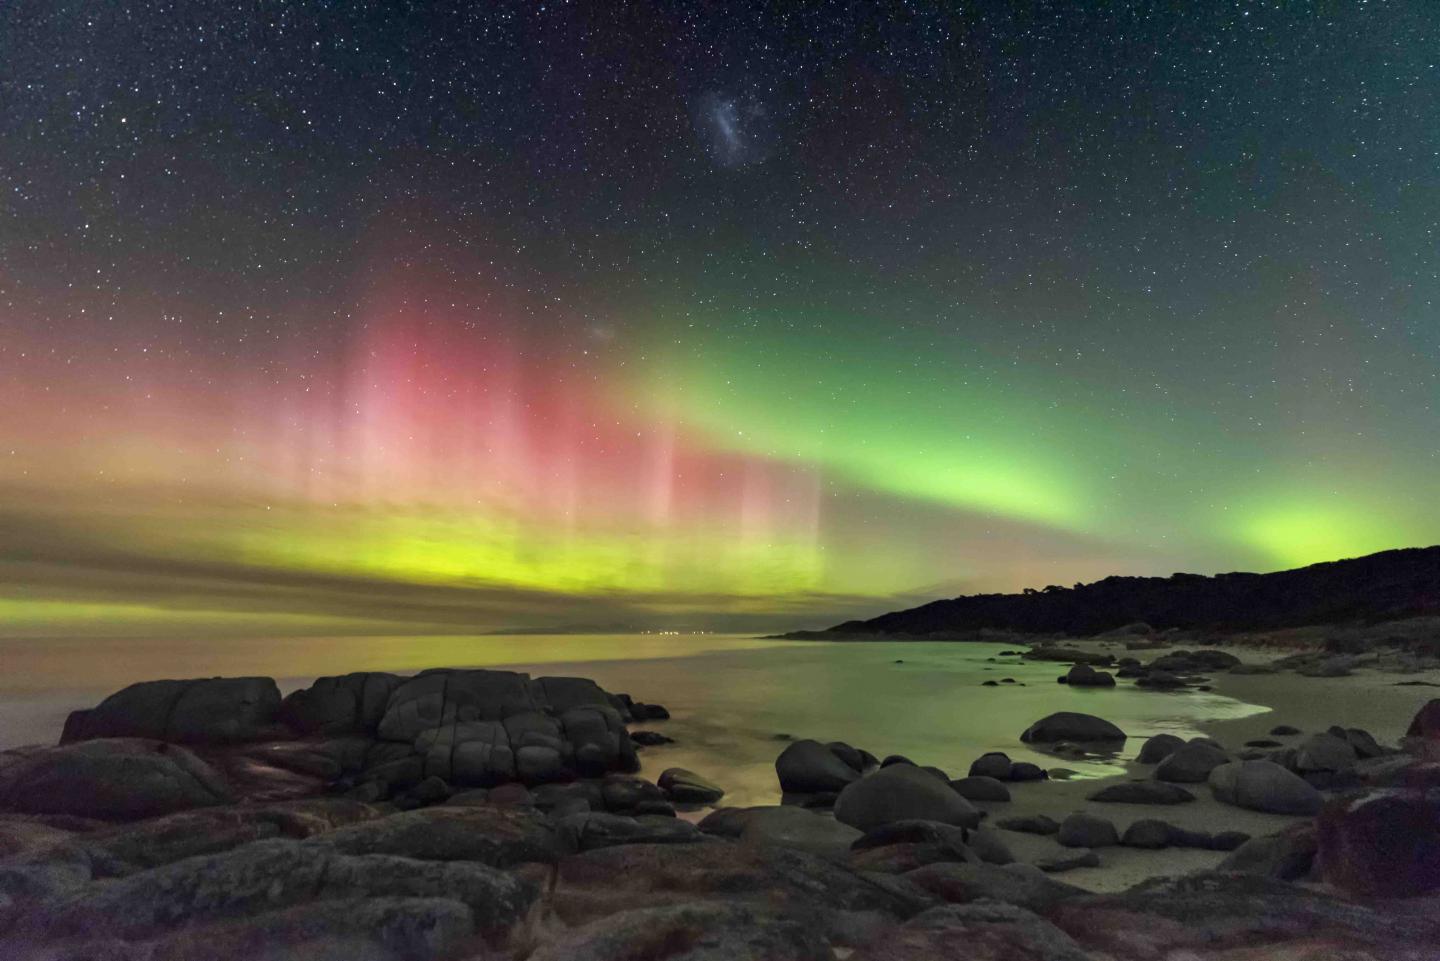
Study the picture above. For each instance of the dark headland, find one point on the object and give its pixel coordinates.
(1388, 586)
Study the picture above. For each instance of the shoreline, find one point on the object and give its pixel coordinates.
(1311, 704)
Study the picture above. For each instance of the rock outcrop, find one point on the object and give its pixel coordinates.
(381, 734)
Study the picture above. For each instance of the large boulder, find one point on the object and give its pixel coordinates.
(267, 876)
(902, 792)
(708, 931)
(976, 932)
(1210, 915)
(1286, 856)
(117, 779)
(1324, 753)
(124, 849)
(340, 929)
(1158, 748)
(1383, 844)
(217, 710)
(603, 882)
(794, 827)
(1191, 764)
(590, 830)
(349, 704)
(1426, 722)
(498, 836)
(1026, 771)
(268, 771)
(1022, 885)
(809, 767)
(1071, 726)
(1264, 786)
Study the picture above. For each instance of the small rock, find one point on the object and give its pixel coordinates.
(994, 764)
(687, 787)
(1284, 730)
(1158, 748)
(650, 738)
(511, 795)
(1031, 824)
(1324, 752)
(1148, 833)
(1142, 792)
(980, 788)
(1087, 831)
(1190, 764)
(432, 790)
(989, 847)
(1069, 861)
(1287, 856)
(1330, 667)
(630, 795)
(1227, 840)
(1083, 675)
(1025, 771)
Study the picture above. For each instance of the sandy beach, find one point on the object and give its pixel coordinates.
(1370, 699)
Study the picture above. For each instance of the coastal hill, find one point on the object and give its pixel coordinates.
(1378, 587)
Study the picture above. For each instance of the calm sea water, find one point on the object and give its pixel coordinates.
(729, 696)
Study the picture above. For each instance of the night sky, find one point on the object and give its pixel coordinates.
(459, 316)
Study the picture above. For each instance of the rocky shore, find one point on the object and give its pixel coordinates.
(486, 814)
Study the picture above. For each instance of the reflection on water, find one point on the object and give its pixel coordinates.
(729, 697)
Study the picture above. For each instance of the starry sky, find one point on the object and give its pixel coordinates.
(402, 316)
